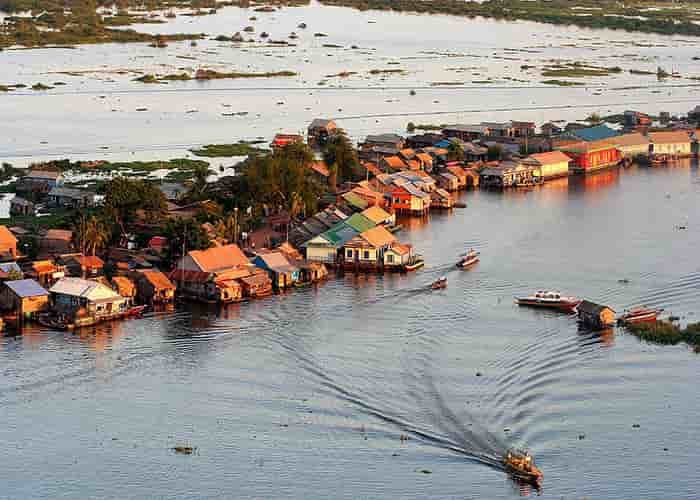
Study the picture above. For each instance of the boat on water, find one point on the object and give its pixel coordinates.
(415, 263)
(639, 315)
(468, 259)
(439, 284)
(521, 464)
(134, 311)
(549, 300)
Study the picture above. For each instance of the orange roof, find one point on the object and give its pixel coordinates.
(59, 234)
(157, 279)
(633, 139)
(425, 158)
(125, 287)
(321, 168)
(457, 170)
(413, 164)
(378, 237)
(551, 157)
(43, 266)
(368, 193)
(394, 162)
(401, 248)
(219, 258)
(376, 214)
(372, 167)
(291, 252)
(421, 173)
(89, 261)
(6, 237)
(407, 153)
(671, 137)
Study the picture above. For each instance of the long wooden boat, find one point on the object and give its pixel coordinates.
(134, 311)
(468, 260)
(521, 464)
(549, 300)
(414, 264)
(439, 283)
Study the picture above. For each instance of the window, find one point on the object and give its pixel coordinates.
(366, 257)
(390, 258)
(348, 253)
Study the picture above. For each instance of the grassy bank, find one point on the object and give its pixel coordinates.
(224, 150)
(618, 15)
(667, 333)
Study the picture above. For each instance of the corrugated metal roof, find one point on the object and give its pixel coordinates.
(360, 223)
(7, 267)
(78, 287)
(340, 234)
(595, 133)
(26, 288)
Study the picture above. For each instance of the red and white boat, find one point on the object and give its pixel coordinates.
(549, 300)
(468, 260)
(639, 315)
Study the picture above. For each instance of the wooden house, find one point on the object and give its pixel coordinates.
(45, 272)
(420, 141)
(390, 141)
(63, 197)
(282, 272)
(550, 129)
(408, 199)
(441, 198)
(125, 287)
(397, 256)
(466, 132)
(591, 156)
(37, 183)
(56, 242)
(366, 250)
(448, 181)
(86, 302)
(21, 206)
(499, 129)
(674, 143)
(8, 245)
(523, 129)
(10, 271)
(256, 285)
(595, 315)
(326, 246)
(552, 164)
(319, 131)
(24, 297)
(392, 164)
(508, 174)
(83, 266)
(461, 174)
(215, 259)
(203, 286)
(379, 216)
(153, 287)
(631, 145)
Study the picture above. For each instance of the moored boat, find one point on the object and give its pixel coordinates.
(415, 263)
(439, 283)
(549, 300)
(639, 315)
(134, 311)
(468, 259)
(521, 464)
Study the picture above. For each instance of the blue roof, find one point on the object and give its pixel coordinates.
(6, 267)
(595, 133)
(442, 144)
(26, 288)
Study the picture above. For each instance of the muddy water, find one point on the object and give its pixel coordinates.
(95, 114)
(307, 394)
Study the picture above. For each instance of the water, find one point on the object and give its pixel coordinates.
(306, 394)
(97, 106)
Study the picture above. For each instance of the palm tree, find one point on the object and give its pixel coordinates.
(200, 173)
(227, 228)
(90, 234)
(455, 151)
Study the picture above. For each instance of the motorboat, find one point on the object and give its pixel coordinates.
(549, 300)
(439, 283)
(639, 315)
(521, 464)
(468, 259)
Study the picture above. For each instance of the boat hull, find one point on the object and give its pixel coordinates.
(565, 306)
(466, 264)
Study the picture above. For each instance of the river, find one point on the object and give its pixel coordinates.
(307, 394)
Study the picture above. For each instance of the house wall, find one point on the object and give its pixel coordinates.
(392, 258)
(631, 151)
(363, 255)
(32, 305)
(682, 148)
(323, 254)
(553, 170)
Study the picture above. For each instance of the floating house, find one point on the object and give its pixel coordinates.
(21, 206)
(595, 315)
(591, 156)
(45, 272)
(595, 133)
(673, 143)
(366, 250)
(39, 182)
(398, 256)
(326, 246)
(552, 164)
(441, 198)
(378, 216)
(509, 174)
(282, 272)
(83, 266)
(63, 197)
(466, 132)
(24, 297)
(631, 145)
(86, 302)
(407, 199)
(56, 242)
(319, 131)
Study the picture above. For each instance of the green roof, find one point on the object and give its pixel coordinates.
(359, 222)
(355, 200)
(340, 234)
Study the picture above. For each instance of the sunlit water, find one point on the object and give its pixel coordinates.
(95, 114)
(306, 394)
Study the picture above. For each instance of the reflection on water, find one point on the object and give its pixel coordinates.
(366, 377)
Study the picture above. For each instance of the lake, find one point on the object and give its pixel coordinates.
(307, 394)
(497, 66)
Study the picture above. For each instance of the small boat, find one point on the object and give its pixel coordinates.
(549, 300)
(55, 322)
(439, 283)
(468, 259)
(639, 315)
(521, 464)
(134, 311)
(414, 264)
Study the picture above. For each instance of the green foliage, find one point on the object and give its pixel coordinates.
(340, 153)
(455, 151)
(665, 332)
(125, 197)
(495, 152)
(91, 233)
(241, 148)
(186, 234)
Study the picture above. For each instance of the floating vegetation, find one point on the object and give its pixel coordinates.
(562, 83)
(387, 71)
(41, 86)
(578, 70)
(210, 74)
(241, 148)
(666, 333)
(641, 72)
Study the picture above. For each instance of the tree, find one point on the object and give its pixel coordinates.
(14, 274)
(340, 152)
(495, 152)
(455, 151)
(594, 119)
(126, 197)
(200, 174)
(184, 234)
(228, 228)
(90, 234)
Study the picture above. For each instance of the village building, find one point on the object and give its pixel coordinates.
(466, 132)
(10, 271)
(595, 315)
(423, 140)
(283, 140)
(459, 173)
(407, 199)
(38, 183)
(86, 302)
(353, 201)
(326, 246)
(595, 133)
(256, 285)
(21, 206)
(282, 272)
(62, 197)
(8, 245)
(153, 287)
(173, 191)
(158, 244)
(441, 198)
(359, 223)
(398, 256)
(45, 272)
(523, 129)
(391, 141)
(215, 259)
(25, 297)
(552, 164)
(592, 156)
(379, 217)
(631, 145)
(392, 164)
(672, 143)
(366, 250)
(197, 285)
(636, 120)
(550, 129)
(56, 242)
(509, 174)
(448, 181)
(83, 266)
(371, 197)
(319, 131)
(499, 129)
(125, 287)
(407, 154)
(425, 161)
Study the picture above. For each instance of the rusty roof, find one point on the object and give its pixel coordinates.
(394, 162)
(550, 157)
(88, 261)
(219, 258)
(157, 279)
(6, 236)
(378, 236)
(670, 137)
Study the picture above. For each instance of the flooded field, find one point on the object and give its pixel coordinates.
(360, 73)
(308, 394)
